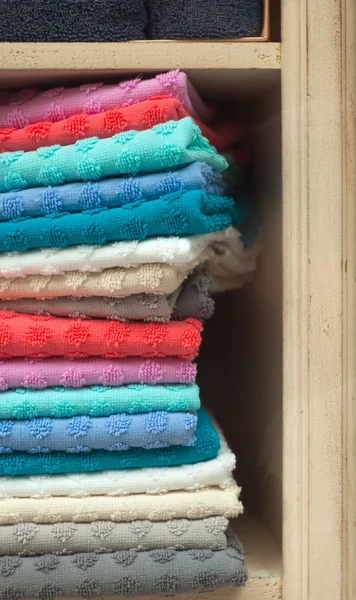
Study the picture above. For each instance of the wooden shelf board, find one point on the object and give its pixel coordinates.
(249, 67)
(140, 55)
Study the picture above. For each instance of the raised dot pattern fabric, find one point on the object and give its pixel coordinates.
(183, 214)
(119, 432)
(192, 299)
(157, 278)
(171, 144)
(73, 21)
(204, 19)
(104, 374)
(125, 573)
(26, 335)
(206, 447)
(135, 483)
(143, 115)
(95, 401)
(28, 539)
(110, 193)
(23, 107)
(175, 251)
(198, 504)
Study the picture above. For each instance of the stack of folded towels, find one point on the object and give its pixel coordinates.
(114, 232)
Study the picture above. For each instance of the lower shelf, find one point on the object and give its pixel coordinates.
(263, 561)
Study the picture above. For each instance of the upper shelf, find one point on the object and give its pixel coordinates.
(140, 55)
(253, 65)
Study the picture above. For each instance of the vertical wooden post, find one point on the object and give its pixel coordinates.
(318, 97)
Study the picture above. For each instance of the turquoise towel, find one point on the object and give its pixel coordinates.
(187, 213)
(96, 401)
(206, 447)
(164, 146)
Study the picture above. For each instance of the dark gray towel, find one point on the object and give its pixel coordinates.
(204, 19)
(160, 572)
(72, 20)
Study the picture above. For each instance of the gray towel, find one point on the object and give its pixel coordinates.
(193, 299)
(72, 20)
(163, 572)
(30, 539)
(204, 19)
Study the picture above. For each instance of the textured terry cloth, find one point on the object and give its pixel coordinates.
(192, 299)
(182, 214)
(124, 482)
(18, 109)
(95, 401)
(119, 432)
(110, 193)
(204, 19)
(143, 115)
(198, 504)
(206, 447)
(161, 571)
(73, 21)
(40, 374)
(175, 251)
(171, 144)
(157, 278)
(44, 336)
(29, 539)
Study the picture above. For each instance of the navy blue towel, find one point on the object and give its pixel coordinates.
(72, 20)
(204, 19)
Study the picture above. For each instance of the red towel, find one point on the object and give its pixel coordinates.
(44, 336)
(141, 116)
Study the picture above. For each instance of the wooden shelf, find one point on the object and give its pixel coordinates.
(241, 70)
(263, 561)
(145, 55)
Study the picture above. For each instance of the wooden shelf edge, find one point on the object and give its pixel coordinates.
(139, 56)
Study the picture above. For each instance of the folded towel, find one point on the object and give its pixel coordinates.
(110, 193)
(26, 335)
(143, 115)
(20, 108)
(206, 447)
(72, 21)
(200, 504)
(157, 278)
(171, 144)
(44, 373)
(103, 486)
(30, 539)
(162, 571)
(182, 213)
(204, 19)
(192, 299)
(95, 401)
(119, 432)
(176, 251)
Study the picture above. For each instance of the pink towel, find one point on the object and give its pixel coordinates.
(53, 372)
(18, 109)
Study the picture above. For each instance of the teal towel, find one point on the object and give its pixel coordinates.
(95, 401)
(167, 145)
(182, 214)
(206, 447)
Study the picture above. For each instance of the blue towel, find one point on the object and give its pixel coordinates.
(120, 431)
(72, 20)
(206, 447)
(181, 213)
(204, 19)
(110, 193)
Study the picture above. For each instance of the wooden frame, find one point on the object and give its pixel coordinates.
(319, 221)
(318, 83)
